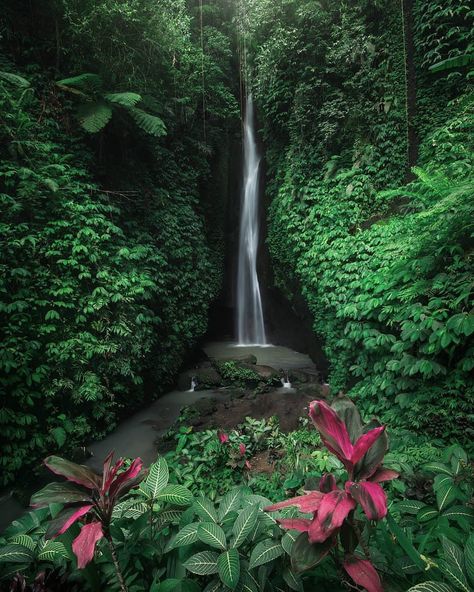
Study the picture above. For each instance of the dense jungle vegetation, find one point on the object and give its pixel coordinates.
(120, 125)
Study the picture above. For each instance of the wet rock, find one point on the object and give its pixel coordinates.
(313, 390)
(303, 376)
(250, 359)
(205, 377)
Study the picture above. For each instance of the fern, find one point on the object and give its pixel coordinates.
(151, 124)
(124, 99)
(86, 82)
(93, 117)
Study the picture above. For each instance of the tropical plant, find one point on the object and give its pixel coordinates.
(96, 105)
(361, 451)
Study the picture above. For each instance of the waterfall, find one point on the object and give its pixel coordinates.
(250, 325)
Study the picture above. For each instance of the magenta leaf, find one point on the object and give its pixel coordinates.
(59, 493)
(127, 477)
(332, 429)
(306, 555)
(364, 443)
(371, 497)
(327, 483)
(363, 573)
(301, 524)
(73, 472)
(65, 519)
(384, 475)
(84, 544)
(111, 473)
(306, 503)
(334, 508)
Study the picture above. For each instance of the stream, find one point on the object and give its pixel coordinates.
(137, 435)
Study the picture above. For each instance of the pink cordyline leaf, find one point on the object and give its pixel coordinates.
(301, 524)
(109, 477)
(327, 483)
(332, 429)
(242, 449)
(73, 472)
(364, 443)
(363, 573)
(306, 503)
(223, 438)
(79, 512)
(334, 508)
(248, 465)
(127, 476)
(383, 475)
(370, 496)
(84, 544)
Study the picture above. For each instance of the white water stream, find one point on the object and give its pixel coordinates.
(250, 325)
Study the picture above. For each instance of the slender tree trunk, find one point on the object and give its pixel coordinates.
(410, 84)
(118, 571)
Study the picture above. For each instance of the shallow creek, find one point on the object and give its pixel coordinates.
(136, 436)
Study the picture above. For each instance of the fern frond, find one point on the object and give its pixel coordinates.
(86, 82)
(94, 116)
(15, 79)
(124, 99)
(151, 124)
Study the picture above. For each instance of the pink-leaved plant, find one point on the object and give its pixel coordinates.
(332, 508)
(89, 498)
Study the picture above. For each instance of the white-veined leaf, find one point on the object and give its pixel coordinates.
(203, 564)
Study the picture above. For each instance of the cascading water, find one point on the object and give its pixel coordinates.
(250, 325)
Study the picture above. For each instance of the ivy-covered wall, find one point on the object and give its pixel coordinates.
(111, 242)
(386, 267)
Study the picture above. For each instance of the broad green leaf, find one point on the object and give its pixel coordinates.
(13, 553)
(212, 534)
(409, 506)
(229, 503)
(405, 543)
(469, 558)
(248, 582)
(264, 552)
(426, 514)
(203, 564)
(158, 477)
(431, 587)
(214, 586)
(244, 525)
(15, 79)
(53, 551)
(175, 494)
(186, 536)
(453, 564)
(228, 566)
(288, 540)
(25, 540)
(437, 467)
(293, 581)
(446, 491)
(205, 509)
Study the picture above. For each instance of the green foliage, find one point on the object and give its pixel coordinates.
(385, 268)
(108, 262)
